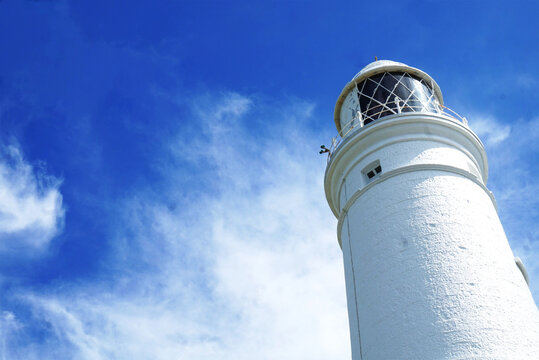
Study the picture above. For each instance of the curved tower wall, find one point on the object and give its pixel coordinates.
(429, 272)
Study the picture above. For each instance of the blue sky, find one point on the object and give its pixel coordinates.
(161, 191)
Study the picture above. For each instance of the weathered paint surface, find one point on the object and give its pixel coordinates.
(429, 272)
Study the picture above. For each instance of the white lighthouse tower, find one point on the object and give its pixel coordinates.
(429, 272)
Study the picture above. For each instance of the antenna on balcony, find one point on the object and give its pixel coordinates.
(324, 149)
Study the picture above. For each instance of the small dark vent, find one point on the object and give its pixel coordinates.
(372, 170)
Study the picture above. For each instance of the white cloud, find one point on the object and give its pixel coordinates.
(490, 131)
(8, 324)
(513, 172)
(246, 266)
(31, 211)
(526, 81)
(249, 270)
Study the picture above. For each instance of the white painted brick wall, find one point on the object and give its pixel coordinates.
(427, 263)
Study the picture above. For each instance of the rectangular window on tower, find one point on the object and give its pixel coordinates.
(372, 171)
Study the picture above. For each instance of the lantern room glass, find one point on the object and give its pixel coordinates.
(393, 93)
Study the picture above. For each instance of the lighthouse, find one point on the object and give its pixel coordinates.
(429, 271)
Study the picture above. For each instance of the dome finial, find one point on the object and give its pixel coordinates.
(375, 58)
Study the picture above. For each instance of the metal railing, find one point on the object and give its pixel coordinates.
(361, 120)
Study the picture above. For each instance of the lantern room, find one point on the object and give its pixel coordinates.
(385, 88)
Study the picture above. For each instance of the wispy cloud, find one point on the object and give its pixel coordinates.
(489, 130)
(246, 265)
(247, 269)
(8, 326)
(526, 81)
(512, 153)
(31, 211)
